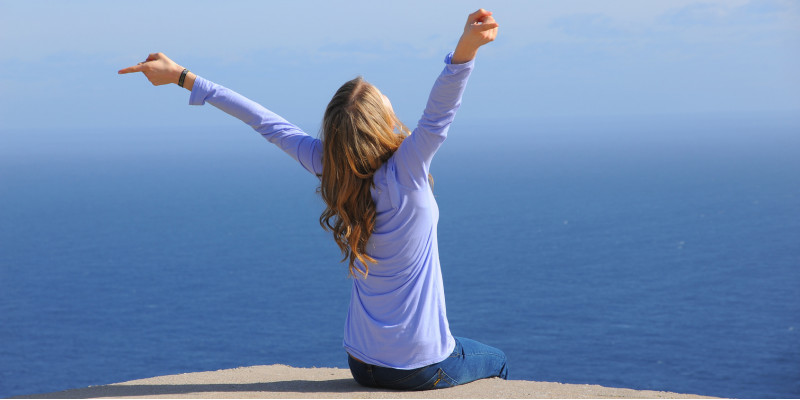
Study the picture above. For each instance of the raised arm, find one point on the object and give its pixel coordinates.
(415, 154)
(160, 70)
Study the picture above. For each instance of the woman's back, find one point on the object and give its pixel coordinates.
(397, 316)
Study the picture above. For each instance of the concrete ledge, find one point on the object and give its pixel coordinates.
(280, 381)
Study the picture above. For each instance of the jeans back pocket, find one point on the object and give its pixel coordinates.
(439, 380)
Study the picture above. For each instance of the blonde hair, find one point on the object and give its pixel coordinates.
(359, 133)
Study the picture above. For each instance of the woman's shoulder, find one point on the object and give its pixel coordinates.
(390, 178)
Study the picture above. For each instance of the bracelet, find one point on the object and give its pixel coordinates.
(183, 77)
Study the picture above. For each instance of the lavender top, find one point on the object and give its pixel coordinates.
(397, 316)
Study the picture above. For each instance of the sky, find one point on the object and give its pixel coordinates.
(568, 58)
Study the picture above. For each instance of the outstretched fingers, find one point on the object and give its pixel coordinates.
(134, 68)
(140, 67)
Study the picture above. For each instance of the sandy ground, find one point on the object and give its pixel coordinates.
(280, 381)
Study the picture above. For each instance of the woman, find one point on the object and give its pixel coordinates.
(381, 210)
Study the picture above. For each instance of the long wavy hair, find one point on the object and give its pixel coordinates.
(360, 132)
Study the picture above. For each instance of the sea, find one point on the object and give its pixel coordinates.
(648, 252)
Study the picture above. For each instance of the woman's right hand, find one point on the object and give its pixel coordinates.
(481, 28)
(158, 69)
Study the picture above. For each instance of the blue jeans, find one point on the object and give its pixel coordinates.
(469, 361)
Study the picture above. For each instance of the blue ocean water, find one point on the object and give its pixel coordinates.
(652, 253)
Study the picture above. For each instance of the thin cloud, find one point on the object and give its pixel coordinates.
(725, 14)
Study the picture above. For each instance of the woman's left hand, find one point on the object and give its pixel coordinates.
(158, 69)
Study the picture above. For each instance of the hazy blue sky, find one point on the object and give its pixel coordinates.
(565, 58)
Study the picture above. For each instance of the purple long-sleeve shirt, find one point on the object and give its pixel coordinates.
(397, 316)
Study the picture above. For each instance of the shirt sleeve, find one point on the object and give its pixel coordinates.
(413, 157)
(288, 137)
